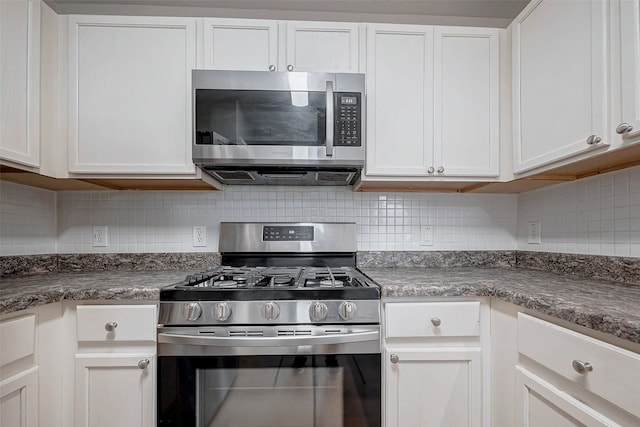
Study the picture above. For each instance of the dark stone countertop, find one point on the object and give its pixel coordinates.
(605, 306)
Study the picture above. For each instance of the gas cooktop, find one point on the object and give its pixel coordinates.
(279, 283)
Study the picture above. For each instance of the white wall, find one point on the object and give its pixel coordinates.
(27, 220)
(597, 215)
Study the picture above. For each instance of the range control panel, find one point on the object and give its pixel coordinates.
(295, 233)
(348, 114)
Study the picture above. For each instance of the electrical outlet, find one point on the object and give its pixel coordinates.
(534, 233)
(99, 236)
(199, 235)
(426, 235)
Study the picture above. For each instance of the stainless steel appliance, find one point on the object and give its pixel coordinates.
(285, 333)
(261, 127)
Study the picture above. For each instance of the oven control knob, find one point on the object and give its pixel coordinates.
(318, 311)
(347, 310)
(192, 311)
(270, 311)
(222, 311)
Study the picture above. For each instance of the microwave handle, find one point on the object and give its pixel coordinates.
(330, 119)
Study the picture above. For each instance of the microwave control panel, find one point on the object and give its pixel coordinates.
(348, 120)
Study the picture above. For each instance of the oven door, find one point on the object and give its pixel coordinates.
(311, 380)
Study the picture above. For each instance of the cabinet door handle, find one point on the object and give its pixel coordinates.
(436, 321)
(441, 169)
(110, 327)
(431, 169)
(272, 67)
(624, 128)
(394, 358)
(143, 364)
(581, 367)
(593, 139)
(289, 67)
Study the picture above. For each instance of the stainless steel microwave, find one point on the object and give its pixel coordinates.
(261, 127)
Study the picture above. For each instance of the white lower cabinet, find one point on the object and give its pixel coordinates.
(564, 378)
(19, 399)
(114, 365)
(18, 372)
(433, 387)
(434, 364)
(115, 390)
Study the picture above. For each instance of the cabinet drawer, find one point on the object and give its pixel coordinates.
(116, 323)
(614, 374)
(17, 338)
(446, 319)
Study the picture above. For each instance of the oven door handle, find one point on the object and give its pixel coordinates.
(275, 341)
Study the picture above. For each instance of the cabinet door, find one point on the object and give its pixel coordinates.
(467, 123)
(560, 56)
(399, 100)
(240, 44)
(19, 400)
(322, 46)
(433, 387)
(539, 403)
(130, 94)
(114, 390)
(20, 82)
(630, 66)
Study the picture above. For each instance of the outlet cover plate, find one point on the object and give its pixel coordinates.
(99, 236)
(199, 236)
(534, 233)
(426, 235)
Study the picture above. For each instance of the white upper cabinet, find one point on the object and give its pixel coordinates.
(130, 94)
(399, 100)
(322, 46)
(433, 102)
(560, 92)
(20, 82)
(626, 95)
(248, 44)
(240, 44)
(467, 109)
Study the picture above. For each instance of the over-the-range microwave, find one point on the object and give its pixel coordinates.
(261, 127)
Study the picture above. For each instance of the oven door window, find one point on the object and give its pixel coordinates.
(270, 391)
(248, 117)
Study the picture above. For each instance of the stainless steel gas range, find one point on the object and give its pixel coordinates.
(285, 333)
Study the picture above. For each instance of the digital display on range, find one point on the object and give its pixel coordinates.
(287, 233)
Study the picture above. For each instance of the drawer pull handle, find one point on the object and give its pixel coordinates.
(394, 358)
(436, 322)
(623, 128)
(581, 367)
(110, 327)
(143, 364)
(593, 139)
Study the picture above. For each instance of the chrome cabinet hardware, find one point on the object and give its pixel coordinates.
(289, 67)
(110, 327)
(593, 139)
(431, 169)
(272, 67)
(624, 128)
(394, 358)
(142, 364)
(441, 169)
(436, 321)
(581, 367)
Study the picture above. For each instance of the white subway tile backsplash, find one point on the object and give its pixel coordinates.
(598, 215)
(594, 215)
